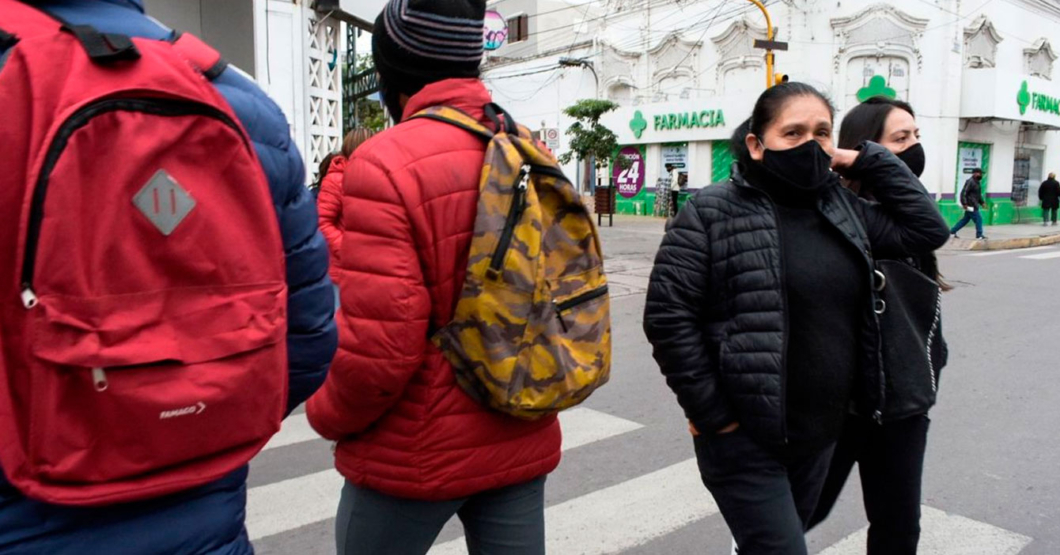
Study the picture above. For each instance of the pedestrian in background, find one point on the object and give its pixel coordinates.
(322, 172)
(890, 452)
(675, 188)
(760, 309)
(972, 200)
(413, 447)
(1049, 195)
(329, 198)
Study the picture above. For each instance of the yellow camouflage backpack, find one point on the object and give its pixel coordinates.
(531, 333)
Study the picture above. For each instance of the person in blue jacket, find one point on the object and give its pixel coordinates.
(208, 519)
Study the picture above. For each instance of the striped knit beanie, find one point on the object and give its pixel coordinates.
(418, 42)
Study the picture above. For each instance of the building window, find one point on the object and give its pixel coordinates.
(518, 28)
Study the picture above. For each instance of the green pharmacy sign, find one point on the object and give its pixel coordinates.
(704, 119)
(1037, 101)
(690, 120)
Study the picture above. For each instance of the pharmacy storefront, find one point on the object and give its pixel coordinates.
(690, 135)
(1010, 127)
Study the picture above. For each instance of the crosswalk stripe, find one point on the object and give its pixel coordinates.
(1043, 256)
(283, 506)
(582, 426)
(622, 516)
(1011, 251)
(295, 429)
(946, 534)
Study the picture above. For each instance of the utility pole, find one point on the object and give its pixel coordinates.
(769, 45)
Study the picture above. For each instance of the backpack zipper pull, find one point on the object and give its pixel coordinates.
(524, 179)
(29, 298)
(99, 379)
(559, 316)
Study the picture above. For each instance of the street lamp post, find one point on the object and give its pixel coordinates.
(587, 64)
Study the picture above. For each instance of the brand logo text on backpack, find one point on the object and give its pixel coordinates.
(193, 409)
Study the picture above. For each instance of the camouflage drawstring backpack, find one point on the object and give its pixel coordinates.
(531, 334)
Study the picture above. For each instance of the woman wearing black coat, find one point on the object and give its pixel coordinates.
(761, 308)
(889, 453)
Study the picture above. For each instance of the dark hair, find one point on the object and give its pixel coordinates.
(322, 170)
(738, 144)
(867, 121)
(978, 170)
(771, 102)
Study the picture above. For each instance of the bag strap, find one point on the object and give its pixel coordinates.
(519, 137)
(103, 48)
(201, 55)
(455, 117)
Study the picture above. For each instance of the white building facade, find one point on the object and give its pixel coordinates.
(295, 50)
(979, 74)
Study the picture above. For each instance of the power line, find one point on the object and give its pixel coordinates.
(551, 67)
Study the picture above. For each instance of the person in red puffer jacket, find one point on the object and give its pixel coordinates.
(413, 447)
(329, 196)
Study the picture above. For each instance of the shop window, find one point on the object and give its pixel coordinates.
(861, 71)
(518, 28)
(1027, 170)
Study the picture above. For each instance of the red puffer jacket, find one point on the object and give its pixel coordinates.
(329, 208)
(403, 425)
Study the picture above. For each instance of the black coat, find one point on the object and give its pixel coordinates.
(715, 312)
(1049, 194)
(972, 194)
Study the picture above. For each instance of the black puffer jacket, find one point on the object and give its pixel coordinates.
(715, 312)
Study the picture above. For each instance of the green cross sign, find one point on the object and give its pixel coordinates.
(877, 87)
(638, 124)
(1023, 98)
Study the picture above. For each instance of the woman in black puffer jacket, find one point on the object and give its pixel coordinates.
(890, 454)
(761, 310)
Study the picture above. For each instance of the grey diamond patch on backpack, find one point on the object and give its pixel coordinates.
(164, 202)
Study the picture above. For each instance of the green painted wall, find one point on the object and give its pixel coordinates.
(720, 161)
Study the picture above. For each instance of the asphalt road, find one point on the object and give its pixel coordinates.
(628, 484)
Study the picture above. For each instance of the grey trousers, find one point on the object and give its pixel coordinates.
(506, 521)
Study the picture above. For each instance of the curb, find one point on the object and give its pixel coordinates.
(1002, 244)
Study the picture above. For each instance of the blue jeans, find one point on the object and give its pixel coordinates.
(973, 216)
(505, 521)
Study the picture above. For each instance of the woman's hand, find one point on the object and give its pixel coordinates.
(726, 430)
(844, 159)
(729, 429)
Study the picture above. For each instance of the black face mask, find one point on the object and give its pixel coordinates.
(914, 158)
(807, 166)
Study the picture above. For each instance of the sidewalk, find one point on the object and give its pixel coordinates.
(1005, 237)
(999, 237)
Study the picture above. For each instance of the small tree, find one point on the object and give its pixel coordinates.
(369, 113)
(590, 140)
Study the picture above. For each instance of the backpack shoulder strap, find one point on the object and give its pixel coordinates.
(201, 55)
(456, 118)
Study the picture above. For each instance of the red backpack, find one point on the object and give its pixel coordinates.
(142, 286)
